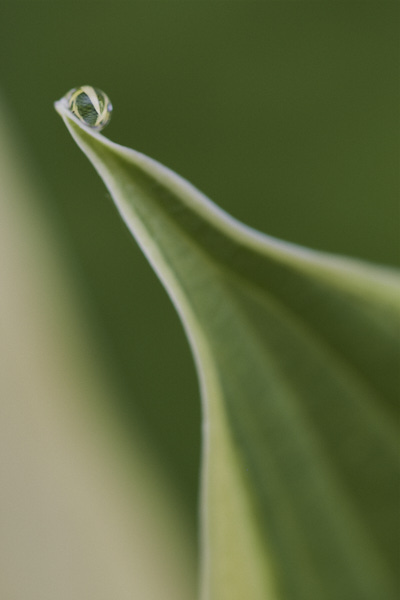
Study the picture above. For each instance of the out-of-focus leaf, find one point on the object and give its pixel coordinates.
(84, 512)
(297, 354)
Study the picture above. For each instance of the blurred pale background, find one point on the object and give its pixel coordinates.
(284, 113)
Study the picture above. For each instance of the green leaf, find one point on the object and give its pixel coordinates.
(297, 354)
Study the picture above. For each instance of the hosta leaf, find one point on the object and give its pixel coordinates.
(84, 514)
(297, 354)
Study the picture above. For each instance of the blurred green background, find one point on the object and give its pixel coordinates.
(284, 113)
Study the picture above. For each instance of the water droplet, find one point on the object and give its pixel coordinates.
(90, 105)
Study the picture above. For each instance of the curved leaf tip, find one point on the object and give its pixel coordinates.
(298, 354)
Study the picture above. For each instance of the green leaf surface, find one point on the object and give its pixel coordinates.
(298, 355)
